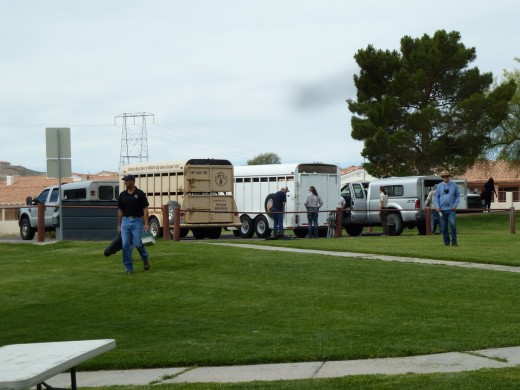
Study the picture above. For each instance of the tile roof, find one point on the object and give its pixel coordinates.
(352, 168)
(25, 186)
(500, 171)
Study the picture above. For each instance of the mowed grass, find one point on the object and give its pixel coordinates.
(482, 238)
(204, 304)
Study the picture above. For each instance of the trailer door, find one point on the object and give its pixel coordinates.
(327, 186)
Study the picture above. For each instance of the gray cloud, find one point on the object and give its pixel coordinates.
(326, 92)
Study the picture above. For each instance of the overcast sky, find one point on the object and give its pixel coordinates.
(224, 79)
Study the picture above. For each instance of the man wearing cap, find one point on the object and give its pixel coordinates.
(132, 220)
(447, 198)
(279, 200)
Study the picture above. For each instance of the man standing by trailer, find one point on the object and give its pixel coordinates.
(132, 220)
(279, 200)
(447, 198)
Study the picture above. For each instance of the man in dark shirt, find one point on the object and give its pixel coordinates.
(132, 220)
(279, 200)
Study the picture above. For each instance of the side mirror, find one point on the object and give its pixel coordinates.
(29, 201)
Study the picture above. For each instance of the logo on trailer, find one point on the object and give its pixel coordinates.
(221, 179)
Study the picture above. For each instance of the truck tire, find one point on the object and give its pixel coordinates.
(247, 229)
(354, 231)
(262, 227)
(394, 218)
(27, 232)
(155, 228)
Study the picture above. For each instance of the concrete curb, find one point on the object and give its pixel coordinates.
(436, 363)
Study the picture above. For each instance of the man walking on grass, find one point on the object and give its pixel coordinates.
(132, 220)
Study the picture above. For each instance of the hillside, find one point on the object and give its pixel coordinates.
(6, 169)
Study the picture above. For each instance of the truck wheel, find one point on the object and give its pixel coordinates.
(354, 231)
(262, 227)
(26, 231)
(155, 228)
(246, 230)
(396, 220)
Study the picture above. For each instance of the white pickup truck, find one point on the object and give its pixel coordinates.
(83, 190)
(406, 196)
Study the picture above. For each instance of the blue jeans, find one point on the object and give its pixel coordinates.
(278, 222)
(449, 219)
(131, 230)
(312, 218)
(434, 216)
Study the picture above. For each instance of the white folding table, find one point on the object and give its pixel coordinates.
(25, 365)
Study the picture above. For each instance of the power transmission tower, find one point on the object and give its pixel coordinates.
(134, 138)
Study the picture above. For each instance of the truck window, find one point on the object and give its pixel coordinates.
(106, 193)
(358, 191)
(395, 191)
(345, 192)
(76, 193)
(42, 198)
(54, 195)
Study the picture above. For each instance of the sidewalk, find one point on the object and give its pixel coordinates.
(367, 256)
(442, 362)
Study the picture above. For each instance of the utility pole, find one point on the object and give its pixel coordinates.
(134, 138)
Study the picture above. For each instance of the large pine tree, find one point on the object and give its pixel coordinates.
(423, 109)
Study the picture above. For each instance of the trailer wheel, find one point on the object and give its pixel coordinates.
(300, 232)
(155, 227)
(199, 233)
(268, 204)
(262, 227)
(171, 205)
(214, 233)
(247, 229)
(183, 232)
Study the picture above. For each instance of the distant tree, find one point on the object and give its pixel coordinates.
(422, 109)
(265, 158)
(506, 137)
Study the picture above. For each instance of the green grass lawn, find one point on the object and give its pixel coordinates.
(482, 238)
(203, 304)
